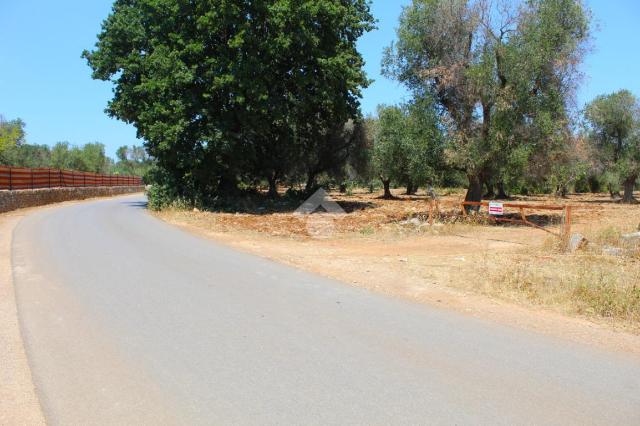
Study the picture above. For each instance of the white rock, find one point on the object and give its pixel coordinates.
(413, 221)
(576, 242)
(612, 251)
(631, 238)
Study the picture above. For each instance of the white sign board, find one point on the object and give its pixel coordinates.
(496, 209)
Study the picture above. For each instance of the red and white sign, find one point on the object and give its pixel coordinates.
(496, 209)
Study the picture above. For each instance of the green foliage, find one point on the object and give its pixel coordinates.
(408, 144)
(90, 157)
(162, 193)
(502, 78)
(161, 197)
(389, 141)
(612, 119)
(132, 161)
(11, 134)
(229, 92)
(613, 125)
(26, 155)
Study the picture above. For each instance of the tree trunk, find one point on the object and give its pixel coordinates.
(502, 195)
(273, 186)
(410, 188)
(490, 192)
(311, 182)
(474, 192)
(561, 191)
(343, 188)
(227, 185)
(594, 184)
(387, 190)
(612, 193)
(629, 186)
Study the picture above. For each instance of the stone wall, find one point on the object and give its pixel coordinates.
(12, 200)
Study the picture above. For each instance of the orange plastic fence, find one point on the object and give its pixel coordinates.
(13, 178)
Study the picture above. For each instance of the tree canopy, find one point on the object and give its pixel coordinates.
(224, 92)
(614, 129)
(408, 144)
(502, 76)
(11, 133)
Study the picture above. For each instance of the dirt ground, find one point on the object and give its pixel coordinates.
(477, 268)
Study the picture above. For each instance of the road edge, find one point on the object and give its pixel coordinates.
(19, 403)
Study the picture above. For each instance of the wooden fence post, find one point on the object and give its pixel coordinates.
(10, 180)
(567, 222)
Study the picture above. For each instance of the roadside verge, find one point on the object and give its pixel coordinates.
(18, 400)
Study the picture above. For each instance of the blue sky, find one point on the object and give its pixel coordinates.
(44, 81)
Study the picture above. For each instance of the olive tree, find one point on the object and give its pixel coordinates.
(613, 123)
(407, 146)
(502, 75)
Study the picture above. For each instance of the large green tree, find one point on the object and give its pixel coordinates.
(227, 91)
(407, 146)
(614, 130)
(502, 75)
(388, 146)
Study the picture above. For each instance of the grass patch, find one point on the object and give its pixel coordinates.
(589, 285)
(367, 230)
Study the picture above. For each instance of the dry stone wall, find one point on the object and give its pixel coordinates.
(12, 200)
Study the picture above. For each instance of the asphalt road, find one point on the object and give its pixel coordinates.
(128, 320)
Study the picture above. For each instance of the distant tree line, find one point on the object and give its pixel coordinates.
(91, 157)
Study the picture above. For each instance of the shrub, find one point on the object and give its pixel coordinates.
(163, 196)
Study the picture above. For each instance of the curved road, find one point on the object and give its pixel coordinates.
(128, 320)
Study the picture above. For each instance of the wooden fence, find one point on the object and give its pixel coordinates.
(566, 210)
(13, 178)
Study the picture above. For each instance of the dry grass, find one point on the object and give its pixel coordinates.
(588, 283)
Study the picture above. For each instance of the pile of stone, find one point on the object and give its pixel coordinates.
(630, 244)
